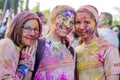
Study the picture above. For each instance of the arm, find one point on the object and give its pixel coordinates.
(112, 63)
(31, 52)
(28, 76)
(9, 57)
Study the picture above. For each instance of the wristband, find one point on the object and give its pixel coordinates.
(23, 69)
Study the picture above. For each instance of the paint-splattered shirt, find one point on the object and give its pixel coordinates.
(97, 60)
(57, 63)
(9, 57)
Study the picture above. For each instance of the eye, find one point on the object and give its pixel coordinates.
(63, 19)
(36, 30)
(77, 22)
(27, 28)
(71, 23)
(87, 22)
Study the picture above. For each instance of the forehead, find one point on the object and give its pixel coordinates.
(68, 13)
(32, 22)
(82, 15)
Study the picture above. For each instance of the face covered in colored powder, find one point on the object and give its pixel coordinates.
(84, 24)
(30, 32)
(64, 23)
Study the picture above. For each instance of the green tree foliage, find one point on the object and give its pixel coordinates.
(2, 4)
(116, 22)
(117, 17)
(21, 2)
(46, 14)
(36, 8)
(12, 4)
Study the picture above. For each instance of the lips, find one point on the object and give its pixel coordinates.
(30, 38)
(82, 31)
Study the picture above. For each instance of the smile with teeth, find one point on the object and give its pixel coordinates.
(66, 28)
(82, 32)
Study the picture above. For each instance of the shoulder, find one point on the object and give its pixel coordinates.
(6, 41)
(109, 48)
(102, 42)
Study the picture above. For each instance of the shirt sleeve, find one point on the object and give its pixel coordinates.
(112, 61)
(8, 58)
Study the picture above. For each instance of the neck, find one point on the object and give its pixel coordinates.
(53, 36)
(89, 39)
(21, 46)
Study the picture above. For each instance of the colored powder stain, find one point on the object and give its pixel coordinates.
(94, 77)
(99, 57)
(8, 63)
(63, 23)
(63, 77)
(36, 33)
(91, 31)
(49, 42)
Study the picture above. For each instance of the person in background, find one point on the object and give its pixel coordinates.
(116, 29)
(104, 28)
(57, 62)
(45, 29)
(97, 59)
(18, 48)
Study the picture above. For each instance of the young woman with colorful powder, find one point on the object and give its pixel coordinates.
(96, 58)
(57, 62)
(18, 48)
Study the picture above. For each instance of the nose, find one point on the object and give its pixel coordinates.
(32, 32)
(82, 26)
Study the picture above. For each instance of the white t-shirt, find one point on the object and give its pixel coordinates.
(108, 35)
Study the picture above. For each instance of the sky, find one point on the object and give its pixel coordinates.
(101, 5)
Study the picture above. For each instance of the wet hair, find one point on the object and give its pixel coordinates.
(14, 31)
(107, 18)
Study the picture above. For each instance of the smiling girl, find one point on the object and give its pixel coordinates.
(96, 58)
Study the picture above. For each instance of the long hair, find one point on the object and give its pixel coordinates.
(14, 31)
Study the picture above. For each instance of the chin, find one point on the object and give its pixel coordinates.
(29, 44)
(83, 36)
(63, 35)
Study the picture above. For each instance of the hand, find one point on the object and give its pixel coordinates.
(28, 55)
(66, 40)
